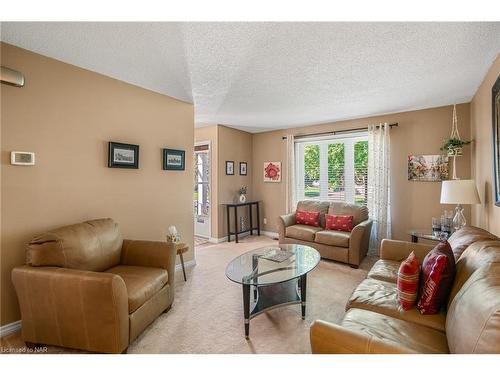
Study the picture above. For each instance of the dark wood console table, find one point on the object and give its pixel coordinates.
(235, 206)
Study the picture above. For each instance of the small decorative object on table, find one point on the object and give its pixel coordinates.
(243, 194)
(436, 226)
(173, 235)
(277, 254)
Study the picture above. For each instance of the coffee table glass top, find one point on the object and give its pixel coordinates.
(252, 269)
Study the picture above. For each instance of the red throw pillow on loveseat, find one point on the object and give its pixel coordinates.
(407, 283)
(339, 222)
(436, 280)
(307, 218)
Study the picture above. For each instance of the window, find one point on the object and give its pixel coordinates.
(333, 168)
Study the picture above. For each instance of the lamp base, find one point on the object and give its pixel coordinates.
(459, 218)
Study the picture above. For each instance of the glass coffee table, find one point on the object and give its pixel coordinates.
(271, 283)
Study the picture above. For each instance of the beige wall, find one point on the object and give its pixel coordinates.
(486, 215)
(228, 144)
(66, 115)
(209, 134)
(419, 132)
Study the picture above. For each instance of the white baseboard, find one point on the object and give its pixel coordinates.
(10, 328)
(269, 234)
(189, 263)
(224, 239)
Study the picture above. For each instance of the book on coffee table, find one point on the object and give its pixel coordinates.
(277, 254)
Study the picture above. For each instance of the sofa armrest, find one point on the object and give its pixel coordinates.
(150, 254)
(283, 222)
(399, 250)
(73, 308)
(329, 338)
(359, 242)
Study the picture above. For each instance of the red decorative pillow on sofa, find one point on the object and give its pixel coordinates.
(307, 218)
(407, 283)
(438, 272)
(339, 222)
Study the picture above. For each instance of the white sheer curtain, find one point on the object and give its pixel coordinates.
(379, 182)
(290, 173)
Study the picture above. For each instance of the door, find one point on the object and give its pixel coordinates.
(202, 190)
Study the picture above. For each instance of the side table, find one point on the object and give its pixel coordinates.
(181, 248)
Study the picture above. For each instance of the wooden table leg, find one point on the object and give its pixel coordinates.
(236, 223)
(258, 219)
(414, 239)
(228, 224)
(250, 218)
(182, 264)
(246, 308)
(303, 290)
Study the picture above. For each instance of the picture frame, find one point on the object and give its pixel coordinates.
(495, 110)
(174, 160)
(428, 168)
(123, 155)
(243, 168)
(272, 171)
(229, 167)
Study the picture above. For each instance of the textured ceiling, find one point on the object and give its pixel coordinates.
(263, 76)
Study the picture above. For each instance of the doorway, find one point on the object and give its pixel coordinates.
(202, 190)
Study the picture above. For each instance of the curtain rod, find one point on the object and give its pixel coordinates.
(337, 132)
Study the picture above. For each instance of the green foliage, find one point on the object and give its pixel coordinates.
(452, 143)
(311, 163)
(360, 162)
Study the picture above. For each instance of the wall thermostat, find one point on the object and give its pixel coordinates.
(22, 158)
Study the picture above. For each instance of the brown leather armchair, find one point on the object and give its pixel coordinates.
(85, 287)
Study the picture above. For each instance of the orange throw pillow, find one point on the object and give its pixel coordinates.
(408, 275)
(307, 218)
(343, 223)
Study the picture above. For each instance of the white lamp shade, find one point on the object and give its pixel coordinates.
(459, 192)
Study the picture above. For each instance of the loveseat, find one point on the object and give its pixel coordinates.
(347, 247)
(85, 287)
(469, 323)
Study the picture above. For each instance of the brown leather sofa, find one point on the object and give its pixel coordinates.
(373, 322)
(85, 287)
(335, 245)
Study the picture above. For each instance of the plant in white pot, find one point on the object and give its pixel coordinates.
(453, 146)
(243, 194)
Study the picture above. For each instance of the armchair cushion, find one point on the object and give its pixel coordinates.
(333, 238)
(385, 270)
(142, 283)
(302, 232)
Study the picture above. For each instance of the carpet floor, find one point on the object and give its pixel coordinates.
(207, 316)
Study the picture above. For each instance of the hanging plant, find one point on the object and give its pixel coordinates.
(453, 146)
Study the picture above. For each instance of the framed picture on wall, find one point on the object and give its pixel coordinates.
(230, 167)
(123, 155)
(174, 160)
(429, 168)
(243, 168)
(495, 97)
(272, 171)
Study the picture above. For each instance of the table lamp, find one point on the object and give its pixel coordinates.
(459, 192)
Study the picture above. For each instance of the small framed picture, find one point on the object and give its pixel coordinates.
(272, 171)
(243, 168)
(123, 155)
(174, 160)
(229, 167)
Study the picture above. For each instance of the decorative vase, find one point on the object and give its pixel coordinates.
(243, 198)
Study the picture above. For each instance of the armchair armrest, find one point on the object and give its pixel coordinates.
(150, 254)
(283, 222)
(73, 308)
(359, 242)
(399, 250)
(329, 338)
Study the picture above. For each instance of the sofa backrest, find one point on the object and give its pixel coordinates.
(477, 255)
(93, 245)
(473, 319)
(359, 213)
(317, 206)
(463, 238)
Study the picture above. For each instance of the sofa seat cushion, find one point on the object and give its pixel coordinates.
(302, 232)
(385, 270)
(382, 297)
(398, 332)
(333, 238)
(142, 283)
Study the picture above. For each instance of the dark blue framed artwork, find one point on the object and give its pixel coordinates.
(174, 160)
